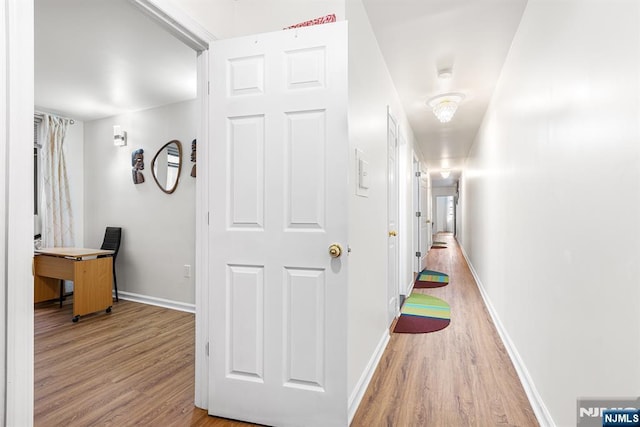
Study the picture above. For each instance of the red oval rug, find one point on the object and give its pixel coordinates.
(423, 313)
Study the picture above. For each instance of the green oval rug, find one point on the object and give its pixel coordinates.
(423, 313)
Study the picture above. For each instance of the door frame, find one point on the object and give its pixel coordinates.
(16, 126)
(199, 39)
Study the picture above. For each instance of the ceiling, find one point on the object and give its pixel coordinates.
(99, 58)
(419, 37)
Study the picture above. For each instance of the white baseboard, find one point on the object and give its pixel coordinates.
(160, 302)
(410, 288)
(537, 404)
(367, 374)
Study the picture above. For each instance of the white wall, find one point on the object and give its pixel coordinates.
(370, 92)
(233, 18)
(158, 236)
(559, 266)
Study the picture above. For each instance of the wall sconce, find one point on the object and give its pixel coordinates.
(119, 137)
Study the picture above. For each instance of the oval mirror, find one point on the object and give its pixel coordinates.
(166, 166)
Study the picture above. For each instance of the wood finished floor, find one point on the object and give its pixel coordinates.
(135, 366)
(459, 376)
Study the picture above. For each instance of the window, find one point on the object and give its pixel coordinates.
(36, 175)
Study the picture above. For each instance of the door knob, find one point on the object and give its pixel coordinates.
(393, 233)
(335, 250)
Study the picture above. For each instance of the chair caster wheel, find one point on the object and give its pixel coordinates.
(108, 309)
(75, 319)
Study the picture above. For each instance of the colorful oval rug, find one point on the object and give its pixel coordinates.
(423, 313)
(431, 279)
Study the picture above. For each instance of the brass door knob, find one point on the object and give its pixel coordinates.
(393, 233)
(335, 250)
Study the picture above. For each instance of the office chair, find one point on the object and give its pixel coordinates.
(112, 237)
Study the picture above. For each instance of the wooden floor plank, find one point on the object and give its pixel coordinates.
(459, 376)
(135, 366)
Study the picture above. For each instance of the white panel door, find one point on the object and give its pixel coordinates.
(420, 216)
(393, 289)
(425, 221)
(278, 300)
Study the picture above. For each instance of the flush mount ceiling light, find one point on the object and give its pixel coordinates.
(445, 73)
(445, 173)
(444, 106)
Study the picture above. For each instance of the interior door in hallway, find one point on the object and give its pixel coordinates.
(420, 216)
(393, 289)
(425, 220)
(278, 299)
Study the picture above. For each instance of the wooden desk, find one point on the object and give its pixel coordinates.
(92, 277)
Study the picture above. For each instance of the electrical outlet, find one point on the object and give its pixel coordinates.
(187, 270)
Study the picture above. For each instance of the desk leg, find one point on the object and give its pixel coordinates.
(92, 286)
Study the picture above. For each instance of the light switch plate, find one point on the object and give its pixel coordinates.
(363, 178)
(363, 174)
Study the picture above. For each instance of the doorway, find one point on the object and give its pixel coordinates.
(183, 31)
(393, 289)
(445, 214)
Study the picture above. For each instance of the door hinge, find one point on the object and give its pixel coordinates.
(419, 254)
(207, 218)
(208, 88)
(206, 349)
(418, 214)
(418, 174)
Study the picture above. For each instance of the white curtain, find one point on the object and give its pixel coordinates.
(57, 221)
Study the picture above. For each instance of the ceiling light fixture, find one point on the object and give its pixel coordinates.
(444, 106)
(445, 173)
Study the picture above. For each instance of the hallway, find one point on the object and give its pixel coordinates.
(460, 376)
